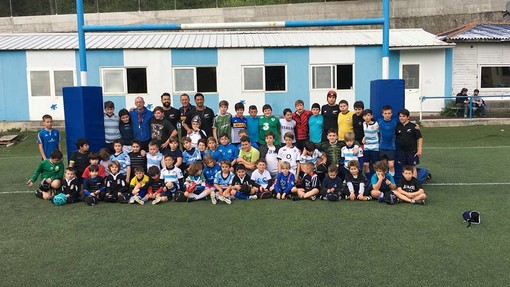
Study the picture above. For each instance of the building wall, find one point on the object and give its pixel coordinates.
(467, 59)
(228, 62)
(13, 86)
(432, 78)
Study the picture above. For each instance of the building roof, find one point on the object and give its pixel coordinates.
(478, 32)
(399, 39)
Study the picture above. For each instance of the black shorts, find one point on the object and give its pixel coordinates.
(405, 158)
(388, 154)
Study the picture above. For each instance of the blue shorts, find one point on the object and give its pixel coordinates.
(405, 158)
(388, 154)
(370, 156)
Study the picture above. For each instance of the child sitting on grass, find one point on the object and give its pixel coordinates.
(173, 178)
(355, 183)
(51, 171)
(284, 181)
(93, 187)
(222, 184)
(332, 185)
(309, 187)
(383, 183)
(115, 184)
(138, 186)
(242, 186)
(195, 183)
(156, 185)
(71, 186)
(409, 189)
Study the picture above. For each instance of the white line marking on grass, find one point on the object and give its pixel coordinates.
(466, 147)
(19, 157)
(16, 191)
(467, 183)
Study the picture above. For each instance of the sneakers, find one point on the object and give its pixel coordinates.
(420, 202)
(139, 200)
(252, 197)
(227, 200)
(313, 198)
(366, 198)
(214, 200)
(156, 201)
(132, 199)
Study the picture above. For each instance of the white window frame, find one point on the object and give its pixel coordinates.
(52, 80)
(264, 78)
(419, 75)
(333, 82)
(194, 79)
(124, 79)
(479, 76)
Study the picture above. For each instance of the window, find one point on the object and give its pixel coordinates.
(50, 83)
(264, 78)
(495, 77)
(411, 76)
(195, 79)
(338, 77)
(124, 80)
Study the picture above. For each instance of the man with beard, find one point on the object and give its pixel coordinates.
(171, 114)
(330, 115)
(205, 114)
(185, 108)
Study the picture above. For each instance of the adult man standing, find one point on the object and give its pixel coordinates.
(330, 114)
(205, 114)
(185, 108)
(140, 118)
(171, 114)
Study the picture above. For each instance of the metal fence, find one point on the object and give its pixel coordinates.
(470, 98)
(13, 8)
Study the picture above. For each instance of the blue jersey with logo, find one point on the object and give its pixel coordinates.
(387, 132)
(49, 140)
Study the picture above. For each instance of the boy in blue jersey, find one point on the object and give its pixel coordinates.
(284, 181)
(111, 124)
(228, 151)
(222, 184)
(252, 123)
(123, 159)
(315, 124)
(239, 122)
(48, 138)
(210, 170)
(383, 183)
(126, 130)
(387, 136)
(212, 149)
(190, 154)
(154, 157)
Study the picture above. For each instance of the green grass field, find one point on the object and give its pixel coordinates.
(269, 242)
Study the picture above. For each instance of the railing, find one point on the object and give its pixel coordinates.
(61, 7)
(470, 104)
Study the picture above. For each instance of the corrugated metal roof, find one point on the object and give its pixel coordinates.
(479, 32)
(399, 38)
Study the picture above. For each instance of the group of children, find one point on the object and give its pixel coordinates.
(252, 158)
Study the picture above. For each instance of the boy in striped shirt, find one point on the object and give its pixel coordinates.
(370, 141)
(111, 124)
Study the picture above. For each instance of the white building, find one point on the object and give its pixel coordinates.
(275, 67)
(481, 58)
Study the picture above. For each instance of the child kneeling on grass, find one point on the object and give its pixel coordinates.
(383, 183)
(309, 187)
(409, 189)
(51, 171)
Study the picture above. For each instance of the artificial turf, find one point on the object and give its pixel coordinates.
(270, 242)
